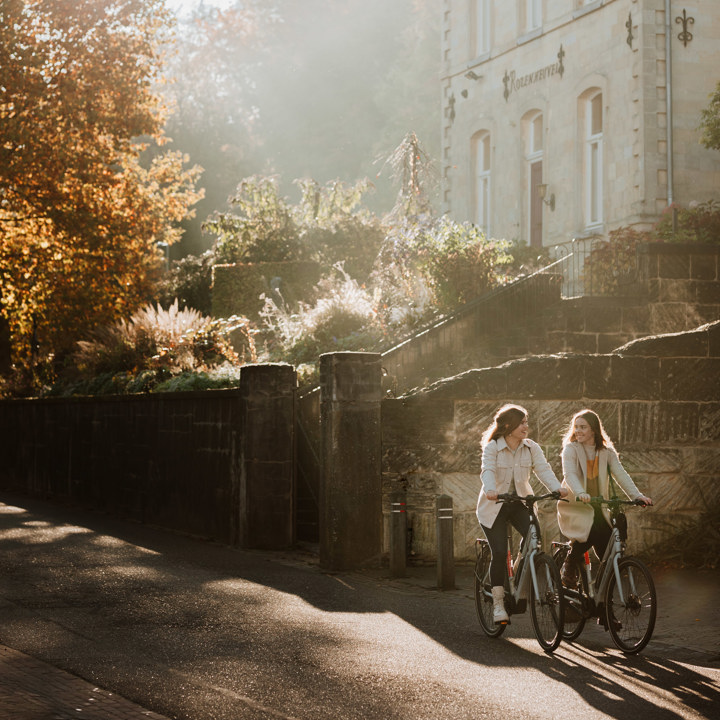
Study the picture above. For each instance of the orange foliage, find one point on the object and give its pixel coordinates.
(80, 215)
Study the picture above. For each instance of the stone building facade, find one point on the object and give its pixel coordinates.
(595, 102)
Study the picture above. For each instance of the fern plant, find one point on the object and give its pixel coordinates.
(154, 345)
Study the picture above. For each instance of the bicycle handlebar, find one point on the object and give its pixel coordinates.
(509, 497)
(614, 501)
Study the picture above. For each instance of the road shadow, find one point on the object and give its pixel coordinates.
(85, 591)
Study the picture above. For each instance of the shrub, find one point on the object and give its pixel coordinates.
(343, 318)
(525, 259)
(261, 228)
(223, 376)
(328, 225)
(150, 348)
(698, 223)
(459, 262)
(610, 264)
(336, 228)
(190, 281)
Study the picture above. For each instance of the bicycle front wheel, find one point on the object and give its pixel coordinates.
(547, 604)
(631, 606)
(483, 594)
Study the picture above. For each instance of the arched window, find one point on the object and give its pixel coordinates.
(593, 160)
(481, 162)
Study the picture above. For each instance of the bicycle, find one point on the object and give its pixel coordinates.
(541, 583)
(622, 595)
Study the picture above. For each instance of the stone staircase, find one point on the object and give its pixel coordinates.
(676, 289)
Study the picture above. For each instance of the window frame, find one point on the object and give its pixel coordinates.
(481, 27)
(594, 162)
(534, 154)
(533, 15)
(482, 179)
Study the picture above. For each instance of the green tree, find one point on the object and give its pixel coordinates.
(328, 225)
(216, 68)
(318, 88)
(81, 216)
(710, 124)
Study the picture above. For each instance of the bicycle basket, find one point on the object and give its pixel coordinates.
(621, 525)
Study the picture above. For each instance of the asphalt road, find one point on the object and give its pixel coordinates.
(195, 630)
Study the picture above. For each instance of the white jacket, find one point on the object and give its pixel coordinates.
(500, 467)
(575, 518)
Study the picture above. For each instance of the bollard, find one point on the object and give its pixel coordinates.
(445, 553)
(398, 534)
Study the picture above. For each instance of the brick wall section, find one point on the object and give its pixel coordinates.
(683, 284)
(183, 461)
(659, 400)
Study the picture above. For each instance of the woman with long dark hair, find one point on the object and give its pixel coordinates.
(589, 459)
(508, 459)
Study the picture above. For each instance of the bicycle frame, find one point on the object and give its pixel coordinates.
(614, 552)
(530, 547)
(520, 590)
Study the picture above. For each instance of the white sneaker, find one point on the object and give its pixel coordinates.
(499, 613)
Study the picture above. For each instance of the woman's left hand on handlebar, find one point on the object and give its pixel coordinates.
(644, 500)
(563, 492)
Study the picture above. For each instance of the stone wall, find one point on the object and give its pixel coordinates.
(659, 400)
(216, 464)
(480, 334)
(677, 288)
(682, 284)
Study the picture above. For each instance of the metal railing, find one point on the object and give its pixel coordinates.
(594, 266)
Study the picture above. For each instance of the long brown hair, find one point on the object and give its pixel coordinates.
(602, 440)
(506, 419)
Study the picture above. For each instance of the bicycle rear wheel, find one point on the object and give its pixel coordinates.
(575, 600)
(483, 594)
(546, 607)
(631, 613)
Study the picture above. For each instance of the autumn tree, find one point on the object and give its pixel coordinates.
(82, 218)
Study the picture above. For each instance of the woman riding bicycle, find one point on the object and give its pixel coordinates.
(587, 456)
(508, 458)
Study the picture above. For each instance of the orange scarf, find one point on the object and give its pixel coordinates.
(593, 476)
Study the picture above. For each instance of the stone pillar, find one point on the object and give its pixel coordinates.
(266, 493)
(350, 480)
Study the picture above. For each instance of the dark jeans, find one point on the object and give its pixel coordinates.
(598, 539)
(516, 514)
